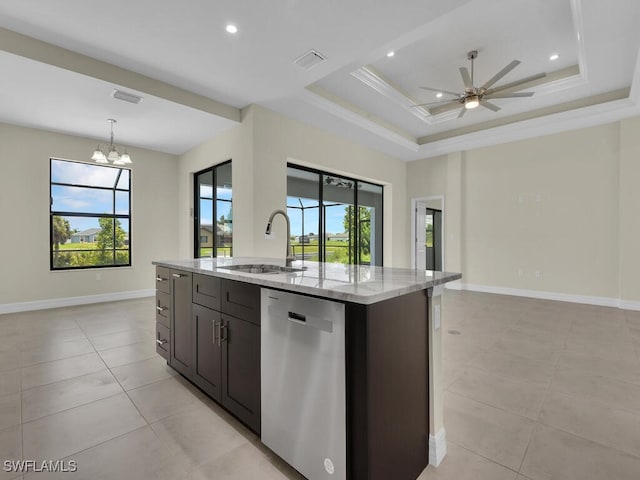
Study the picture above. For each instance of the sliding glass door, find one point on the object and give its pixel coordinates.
(334, 219)
(213, 212)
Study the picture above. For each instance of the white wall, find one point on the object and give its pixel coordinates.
(24, 210)
(563, 205)
(260, 149)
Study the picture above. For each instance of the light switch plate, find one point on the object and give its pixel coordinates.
(436, 316)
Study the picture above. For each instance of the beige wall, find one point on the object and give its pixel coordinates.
(629, 252)
(24, 210)
(564, 205)
(235, 144)
(260, 149)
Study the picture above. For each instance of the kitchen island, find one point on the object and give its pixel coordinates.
(213, 322)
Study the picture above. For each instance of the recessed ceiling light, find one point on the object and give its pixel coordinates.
(439, 95)
(391, 54)
(555, 56)
(231, 28)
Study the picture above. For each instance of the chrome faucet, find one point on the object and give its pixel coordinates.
(290, 258)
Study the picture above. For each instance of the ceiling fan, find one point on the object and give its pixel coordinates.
(473, 97)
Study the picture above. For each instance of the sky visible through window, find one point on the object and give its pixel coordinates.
(206, 203)
(87, 200)
(335, 217)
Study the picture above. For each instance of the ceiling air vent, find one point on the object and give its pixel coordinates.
(310, 59)
(126, 96)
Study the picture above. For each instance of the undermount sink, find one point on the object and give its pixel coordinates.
(262, 268)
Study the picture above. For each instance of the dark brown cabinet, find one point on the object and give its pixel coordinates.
(241, 370)
(181, 346)
(208, 329)
(207, 357)
(163, 312)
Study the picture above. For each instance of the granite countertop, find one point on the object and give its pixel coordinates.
(349, 283)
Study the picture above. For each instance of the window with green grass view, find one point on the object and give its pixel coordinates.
(90, 215)
(213, 212)
(334, 219)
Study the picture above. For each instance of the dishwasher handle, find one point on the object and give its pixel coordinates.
(297, 317)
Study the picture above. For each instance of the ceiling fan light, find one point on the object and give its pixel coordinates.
(98, 156)
(471, 102)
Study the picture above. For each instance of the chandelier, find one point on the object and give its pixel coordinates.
(113, 156)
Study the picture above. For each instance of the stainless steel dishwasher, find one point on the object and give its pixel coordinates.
(303, 383)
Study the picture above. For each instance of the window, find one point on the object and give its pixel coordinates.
(213, 212)
(334, 218)
(90, 215)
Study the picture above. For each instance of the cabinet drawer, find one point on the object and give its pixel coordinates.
(206, 291)
(163, 308)
(242, 300)
(162, 340)
(163, 276)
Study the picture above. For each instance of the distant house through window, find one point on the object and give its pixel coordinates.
(89, 216)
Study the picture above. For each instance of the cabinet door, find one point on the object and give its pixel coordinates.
(241, 370)
(163, 308)
(181, 335)
(206, 291)
(207, 358)
(162, 340)
(163, 279)
(242, 300)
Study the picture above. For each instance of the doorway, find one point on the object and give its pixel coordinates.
(428, 233)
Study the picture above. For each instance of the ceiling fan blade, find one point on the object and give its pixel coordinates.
(501, 74)
(509, 95)
(522, 81)
(439, 90)
(463, 110)
(490, 106)
(466, 78)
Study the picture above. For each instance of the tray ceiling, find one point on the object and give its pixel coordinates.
(195, 77)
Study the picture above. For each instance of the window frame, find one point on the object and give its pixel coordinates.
(356, 206)
(197, 214)
(113, 215)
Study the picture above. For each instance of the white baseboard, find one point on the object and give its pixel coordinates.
(560, 297)
(71, 301)
(630, 305)
(437, 447)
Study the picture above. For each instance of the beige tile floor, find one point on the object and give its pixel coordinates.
(539, 390)
(533, 390)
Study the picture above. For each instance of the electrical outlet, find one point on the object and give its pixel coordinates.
(538, 273)
(436, 316)
(98, 276)
(520, 272)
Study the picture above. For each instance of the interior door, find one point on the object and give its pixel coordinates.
(421, 235)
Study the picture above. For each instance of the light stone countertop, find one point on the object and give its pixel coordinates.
(348, 283)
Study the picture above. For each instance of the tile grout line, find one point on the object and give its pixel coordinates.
(495, 462)
(538, 421)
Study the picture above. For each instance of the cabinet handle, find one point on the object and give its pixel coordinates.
(178, 275)
(222, 337)
(216, 333)
(160, 279)
(161, 309)
(161, 342)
